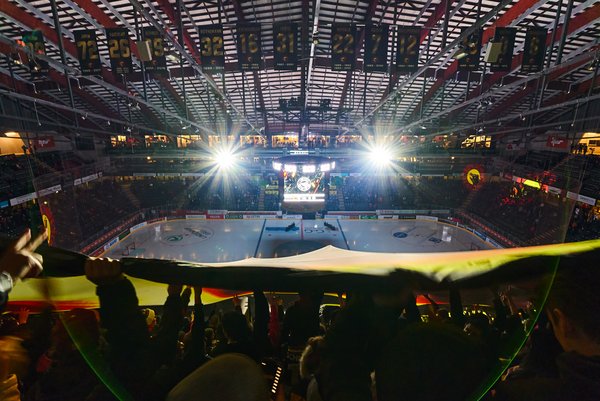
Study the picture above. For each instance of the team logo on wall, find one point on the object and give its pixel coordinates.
(304, 184)
(473, 176)
(48, 221)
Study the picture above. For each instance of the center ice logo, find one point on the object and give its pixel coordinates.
(202, 233)
(174, 238)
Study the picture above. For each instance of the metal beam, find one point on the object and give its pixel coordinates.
(512, 14)
(239, 13)
(520, 82)
(584, 88)
(24, 87)
(118, 91)
(194, 54)
(106, 21)
(12, 11)
(515, 98)
(576, 24)
(433, 20)
(313, 48)
(373, 4)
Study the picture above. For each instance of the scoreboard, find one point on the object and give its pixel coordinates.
(304, 179)
(303, 187)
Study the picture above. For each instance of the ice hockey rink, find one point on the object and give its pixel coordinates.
(230, 240)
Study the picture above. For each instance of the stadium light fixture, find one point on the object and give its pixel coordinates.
(380, 156)
(225, 159)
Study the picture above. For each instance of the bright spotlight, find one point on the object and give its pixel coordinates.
(309, 168)
(380, 156)
(225, 158)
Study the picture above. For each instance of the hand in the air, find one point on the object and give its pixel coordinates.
(101, 271)
(20, 259)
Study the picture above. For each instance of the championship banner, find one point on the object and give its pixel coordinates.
(472, 48)
(505, 36)
(343, 47)
(249, 47)
(34, 40)
(285, 46)
(376, 48)
(87, 52)
(119, 50)
(158, 64)
(534, 50)
(212, 51)
(407, 55)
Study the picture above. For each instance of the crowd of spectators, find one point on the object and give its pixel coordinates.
(105, 198)
(242, 195)
(14, 177)
(522, 211)
(585, 223)
(15, 220)
(370, 345)
(153, 192)
(527, 214)
(368, 193)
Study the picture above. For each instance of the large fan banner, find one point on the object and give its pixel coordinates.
(329, 269)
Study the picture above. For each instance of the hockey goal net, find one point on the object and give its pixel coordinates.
(475, 247)
(128, 249)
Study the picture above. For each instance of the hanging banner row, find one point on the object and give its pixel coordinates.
(346, 40)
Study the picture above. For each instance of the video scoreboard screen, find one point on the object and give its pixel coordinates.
(303, 187)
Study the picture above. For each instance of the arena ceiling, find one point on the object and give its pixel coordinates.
(436, 98)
